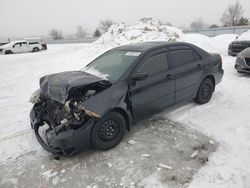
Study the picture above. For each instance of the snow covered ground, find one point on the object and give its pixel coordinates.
(226, 118)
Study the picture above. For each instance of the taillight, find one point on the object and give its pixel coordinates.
(221, 59)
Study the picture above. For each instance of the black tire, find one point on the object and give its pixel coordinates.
(8, 52)
(240, 72)
(108, 131)
(205, 91)
(35, 49)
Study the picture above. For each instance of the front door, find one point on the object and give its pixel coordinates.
(157, 90)
(17, 47)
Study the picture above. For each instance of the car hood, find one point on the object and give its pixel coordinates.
(7, 45)
(57, 86)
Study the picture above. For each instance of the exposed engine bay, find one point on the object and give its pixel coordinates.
(72, 114)
(51, 119)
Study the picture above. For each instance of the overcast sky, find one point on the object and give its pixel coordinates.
(36, 17)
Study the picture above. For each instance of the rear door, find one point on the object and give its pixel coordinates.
(157, 90)
(188, 70)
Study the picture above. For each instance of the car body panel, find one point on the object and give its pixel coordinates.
(57, 86)
(242, 63)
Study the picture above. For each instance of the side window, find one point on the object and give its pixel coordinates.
(17, 45)
(154, 65)
(33, 42)
(183, 57)
(196, 56)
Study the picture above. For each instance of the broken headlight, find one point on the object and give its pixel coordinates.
(35, 97)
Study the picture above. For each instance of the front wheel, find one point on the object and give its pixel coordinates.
(108, 131)
(8, 52)
(205, 91)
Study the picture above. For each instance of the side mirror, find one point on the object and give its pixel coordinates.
(139, 76)
(13, 46)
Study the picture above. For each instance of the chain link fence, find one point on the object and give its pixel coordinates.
(69, 41)
(212, 32)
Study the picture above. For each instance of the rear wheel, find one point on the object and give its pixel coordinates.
(108, 131)
(35, 49)
(205, 91)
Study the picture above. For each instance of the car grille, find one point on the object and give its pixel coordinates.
(247, 61)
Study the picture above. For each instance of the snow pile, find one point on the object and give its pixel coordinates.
(244, 36)
(218, 44)
(147, 29)
(95, 72)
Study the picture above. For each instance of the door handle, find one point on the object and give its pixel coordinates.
(199, 66)
(168, 77)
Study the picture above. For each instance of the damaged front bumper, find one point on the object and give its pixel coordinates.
(60, 142)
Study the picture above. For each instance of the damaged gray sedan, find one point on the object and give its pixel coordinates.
(242, 64)
(77, 110)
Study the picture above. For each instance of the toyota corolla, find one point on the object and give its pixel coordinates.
(76, 110)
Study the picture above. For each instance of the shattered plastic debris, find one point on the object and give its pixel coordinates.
(165, 166)
(193, 155)
(132, 142)
(212, 142)
(48, 174)
(145, 155)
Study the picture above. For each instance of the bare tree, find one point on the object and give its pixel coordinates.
(97, 33)
(80, 32)
(232, 14)
(56, 34)
(105, 25)
(243, 21)
(197, 24)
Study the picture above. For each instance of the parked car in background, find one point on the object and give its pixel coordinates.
(242, 64)
(21, 46)
(3, 43)
(75, 110)
(242, 42)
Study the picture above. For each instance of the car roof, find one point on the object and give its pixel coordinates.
(145, 46)
(18, 41)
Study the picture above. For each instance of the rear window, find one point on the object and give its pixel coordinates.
(33, 42)
(183, 57)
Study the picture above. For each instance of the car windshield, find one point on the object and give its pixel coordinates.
(114, 63)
